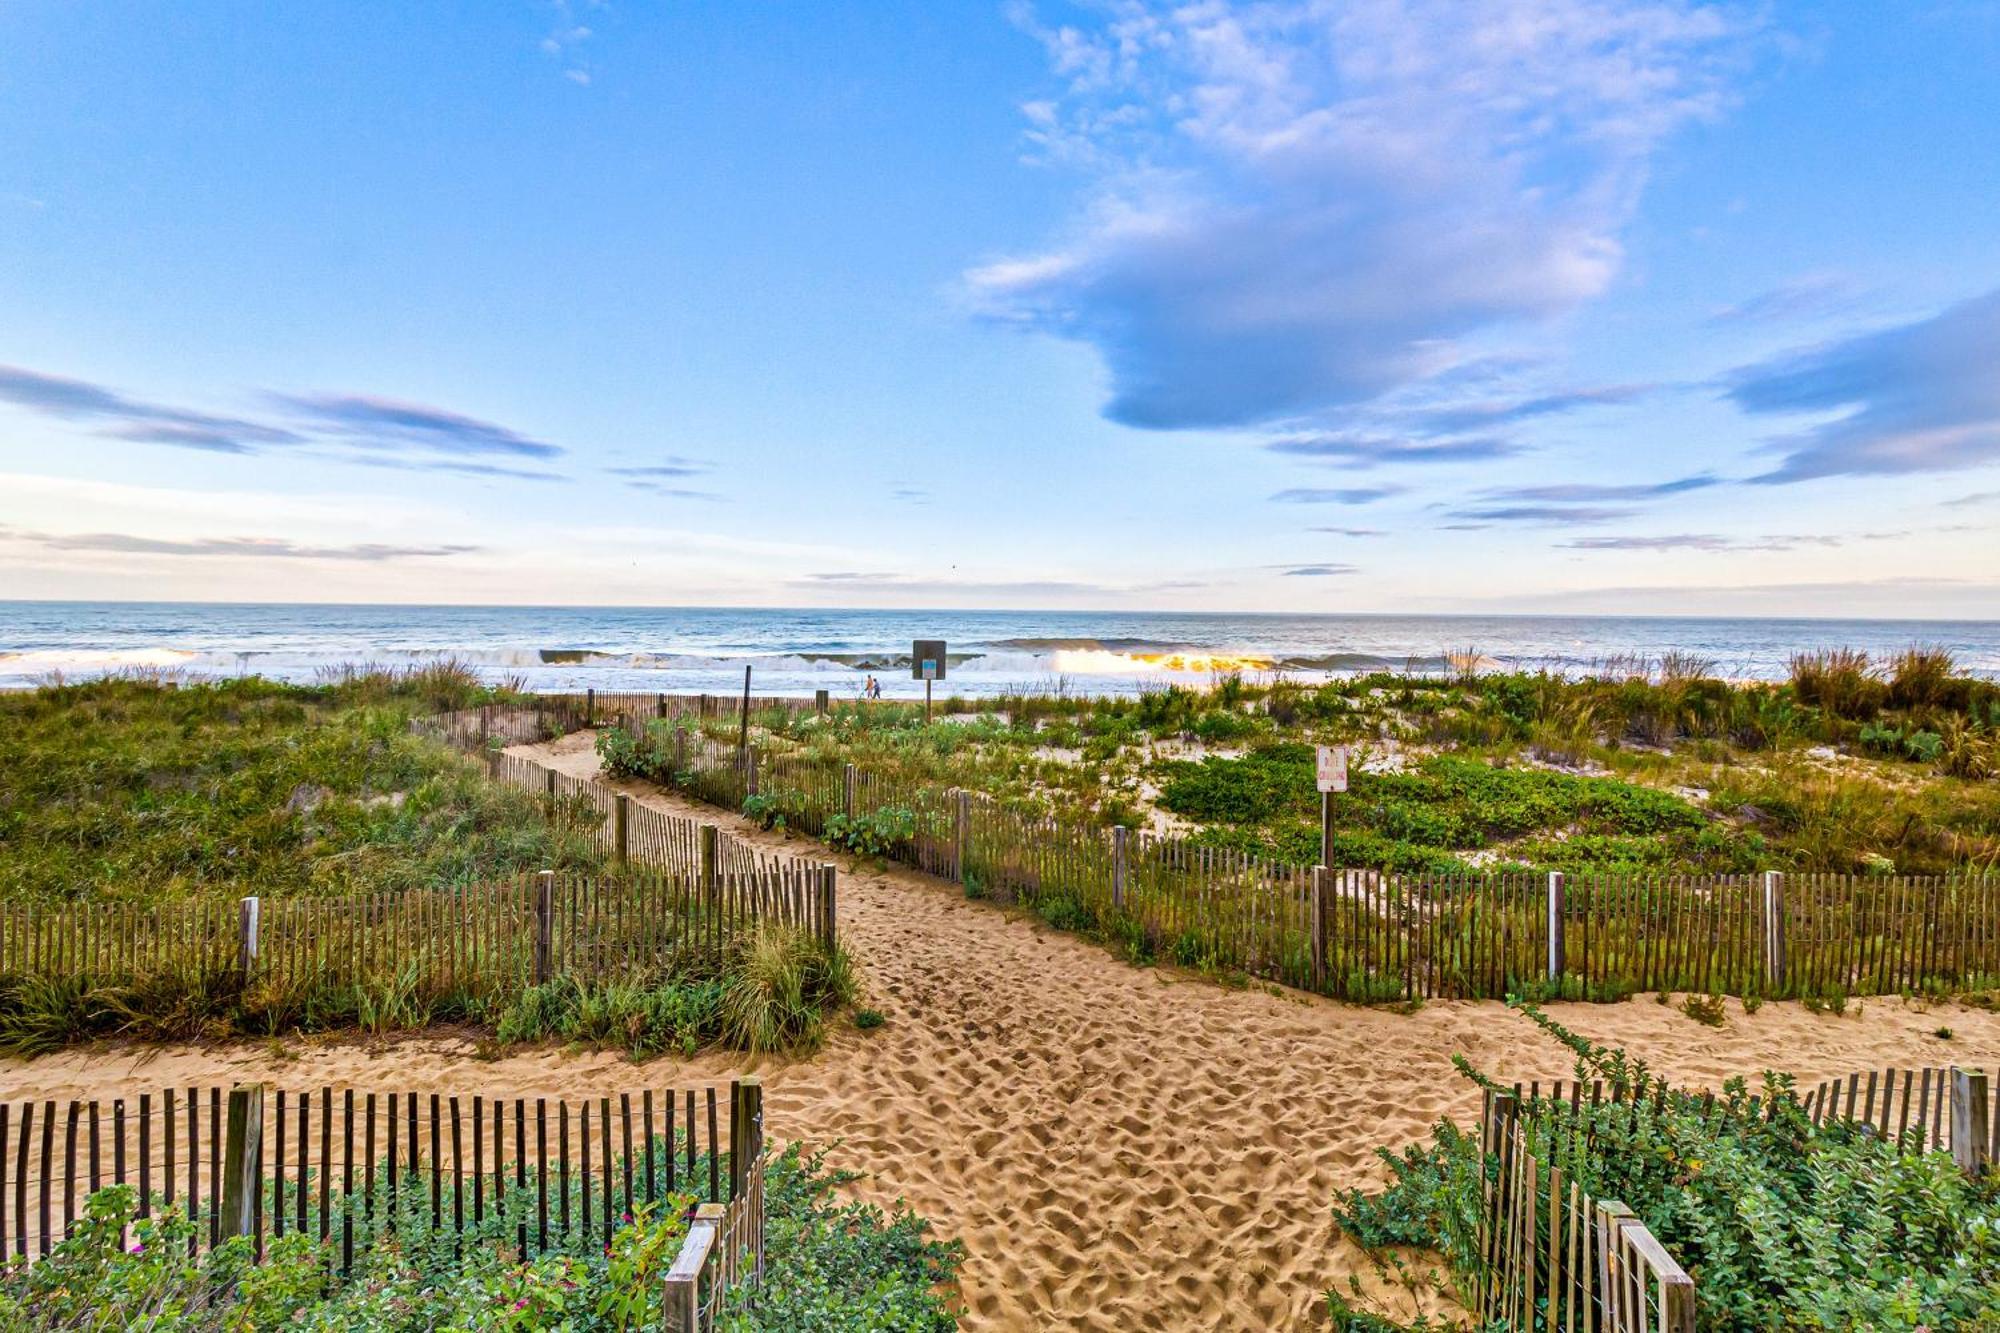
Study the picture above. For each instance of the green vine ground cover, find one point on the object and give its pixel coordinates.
(1847, 766)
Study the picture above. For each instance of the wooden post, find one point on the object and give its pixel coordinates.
(659, 705)
(545, 924)
(549, 784)
(621, 829)
(683, 1312)
(962, 830)
(743, 737)
(485, 724)
(247, 913)
(680, 752)
(828, 931)
(750, 771)
(1326, 828)
(709, 872)
(1558, 941)
(1969, 1121)
(1774, 931)
(847, 784)
(590, 708)
(493, 759)
(746, 1131)
(243, 1160)
(701, 705)
(1118, 833)
(1322, 892)
(820, 701)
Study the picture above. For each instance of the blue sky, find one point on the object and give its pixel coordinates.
(1340, 305)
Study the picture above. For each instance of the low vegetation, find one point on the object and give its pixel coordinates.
(149, 790)
(829, 1265)
(1782, 1223)
(1847, 766)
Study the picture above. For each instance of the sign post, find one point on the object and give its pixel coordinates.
(1332, 776)
(927, 665)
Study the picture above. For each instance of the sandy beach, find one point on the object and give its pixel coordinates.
(1117, 1147)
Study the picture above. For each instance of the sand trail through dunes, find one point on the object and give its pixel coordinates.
(1119, 1148)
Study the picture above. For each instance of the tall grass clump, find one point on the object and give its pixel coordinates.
(779, 987)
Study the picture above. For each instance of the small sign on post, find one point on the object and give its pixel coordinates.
(927, 665)
(1331, 772)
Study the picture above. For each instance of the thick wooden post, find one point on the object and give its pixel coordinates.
(621, 829)
(247, 913)
(1118, 835)
(746, 1131)
(828, 931)
(961, 831)
(485, 724)
(1322, 894)
(549, 786)
(590, 708)
(820, 701)
(743, 736)
(659, 705)
(684, 1313)
(243, 1160)
(1969, 1123)
(1774, 931)
(1558, 915)
(847, 784)
(493, 762)
(701, 705)
(709, 869)
(545, 924)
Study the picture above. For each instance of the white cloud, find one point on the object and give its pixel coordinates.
(1304, 203)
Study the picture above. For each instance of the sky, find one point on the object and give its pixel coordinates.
(1640, 306)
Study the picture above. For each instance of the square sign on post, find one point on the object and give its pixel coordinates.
(927, 665)
(1332, 768)
(1332, 774)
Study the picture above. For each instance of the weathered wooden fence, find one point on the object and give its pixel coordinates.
(346, 1167)
(1371, 936)
(1943, 1109)
(1552, 1257)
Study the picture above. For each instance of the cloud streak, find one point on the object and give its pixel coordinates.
(1576, 492)
(1297, 205)
(116, 415)
(1918, 397)
(1367, 451)
(121, 543)
(386, 423)
(1335, 495)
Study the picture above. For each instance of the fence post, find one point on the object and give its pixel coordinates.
(820, 701)
(247, 913)
(746, 1131)
(545, 923)
(493, 758)
(485, 724)
(1321, 878)
(828, 878)
(962, 831)
(847, 791)
(621, 829)
(683, 1312)
(750, 771)
(243, 1160)
(1774, 930)
(1969, 1120)
(708, 861)
(1558, 916)
(549, 784)
(659, 705)
(1118, 833)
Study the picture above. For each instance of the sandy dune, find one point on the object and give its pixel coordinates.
(1118, 1148)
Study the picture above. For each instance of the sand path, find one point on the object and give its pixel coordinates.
(1118, 1147)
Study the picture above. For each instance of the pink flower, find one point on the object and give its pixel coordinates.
(521, 1304)
(138, 1247)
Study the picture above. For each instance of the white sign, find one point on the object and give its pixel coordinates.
(1333, 768)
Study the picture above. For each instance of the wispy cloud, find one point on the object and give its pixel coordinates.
(674, 492)
(135, 419)
(1351, 532)
(915, 495)
(387, 423)
(260, 547)
(564, 43)
(1919, 397)
(1544, 515)
(1296, 206)
(1805, 297)
(1575, 492)
(1976, 498)
(1489, 415)
(457, 467)
(1335, 495)
(1364, 451)
(1315, 571)
(673, 465)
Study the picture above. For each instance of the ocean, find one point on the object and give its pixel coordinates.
(704, 649)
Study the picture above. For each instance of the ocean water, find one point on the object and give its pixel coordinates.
(701, 649)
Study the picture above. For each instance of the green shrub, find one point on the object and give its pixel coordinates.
(874, 833)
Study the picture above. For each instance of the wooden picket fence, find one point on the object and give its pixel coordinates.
(346, 1167)
(1554, 1258)
(1937, 1109)
(1373, 936)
